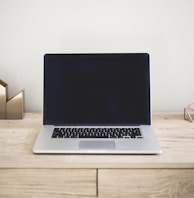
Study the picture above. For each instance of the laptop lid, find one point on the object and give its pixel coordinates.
(96, 89)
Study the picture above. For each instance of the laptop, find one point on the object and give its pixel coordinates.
(97, 104)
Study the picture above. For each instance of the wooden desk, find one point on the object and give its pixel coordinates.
(24, 174)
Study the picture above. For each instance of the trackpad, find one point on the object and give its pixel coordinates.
(96, 144)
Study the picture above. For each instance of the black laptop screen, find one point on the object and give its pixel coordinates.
(96, 89)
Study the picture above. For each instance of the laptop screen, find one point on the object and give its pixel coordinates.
(96, 89)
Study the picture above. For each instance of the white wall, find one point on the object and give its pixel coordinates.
(164, 28)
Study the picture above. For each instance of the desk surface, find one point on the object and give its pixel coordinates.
(176, 137)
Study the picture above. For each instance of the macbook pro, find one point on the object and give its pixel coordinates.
(97, 104)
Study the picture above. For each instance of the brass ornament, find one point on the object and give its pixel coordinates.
(12, 108)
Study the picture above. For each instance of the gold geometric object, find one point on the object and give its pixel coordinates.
(12, 108)
(3, 99)
(189, 112)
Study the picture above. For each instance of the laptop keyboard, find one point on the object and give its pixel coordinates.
(96, 133)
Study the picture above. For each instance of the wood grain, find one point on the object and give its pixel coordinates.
(175, 134)
(24, 174)
(47, 182)
(175, 183)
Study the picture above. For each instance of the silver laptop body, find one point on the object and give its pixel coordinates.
(103, 92)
